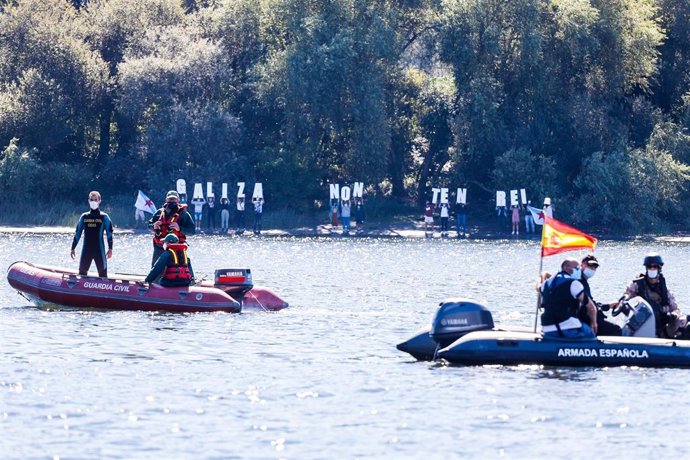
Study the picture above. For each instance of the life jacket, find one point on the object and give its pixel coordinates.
(178, 267)
(165, 221)
(657, 297)
(558, 303)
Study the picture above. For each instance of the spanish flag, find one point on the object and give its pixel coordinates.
(558, 237)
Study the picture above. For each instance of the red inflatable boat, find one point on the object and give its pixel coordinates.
(232, 291)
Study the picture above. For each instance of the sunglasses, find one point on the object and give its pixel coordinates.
(654, 266)
(94, 199)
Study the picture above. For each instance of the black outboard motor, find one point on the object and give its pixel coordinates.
(236, 282)
(457, 317)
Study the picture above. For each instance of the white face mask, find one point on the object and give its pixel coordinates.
(577, 274)
(588, 273)
(94, 204)
(652, 273)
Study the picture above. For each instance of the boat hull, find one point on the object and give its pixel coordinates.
(514, 348)
(53, 286)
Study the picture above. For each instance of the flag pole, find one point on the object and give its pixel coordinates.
(541, 267)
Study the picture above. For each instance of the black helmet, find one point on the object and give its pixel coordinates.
(653, 258)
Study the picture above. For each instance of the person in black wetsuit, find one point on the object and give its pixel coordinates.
(93, 224)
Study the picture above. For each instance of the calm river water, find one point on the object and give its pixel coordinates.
(322, 379)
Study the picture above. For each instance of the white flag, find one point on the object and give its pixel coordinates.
(144, 203)
(537, 215)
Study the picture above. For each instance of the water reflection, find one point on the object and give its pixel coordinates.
(322, 378)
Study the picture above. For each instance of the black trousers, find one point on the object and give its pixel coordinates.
(96, 255)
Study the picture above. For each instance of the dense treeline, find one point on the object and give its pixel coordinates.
(587, 101)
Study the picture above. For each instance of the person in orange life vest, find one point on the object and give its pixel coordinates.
(173, 266)
(173, 218)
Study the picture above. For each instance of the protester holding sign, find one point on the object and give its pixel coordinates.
(240, 215)
(258, 214)
(461, 219)
(529, 220)
(359, 214)
(198, 202)
(345, 213)
(429, 217)
(515, 219)
(211, 214)
(444, 214)
(224, 215)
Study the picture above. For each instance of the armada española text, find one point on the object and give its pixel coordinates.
(602, 353)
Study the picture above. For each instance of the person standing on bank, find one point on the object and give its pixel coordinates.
(198, 203)
(529, 220)
(240, 215)
(345, 213)
(461, 219)
(173, 218)
(93, 224)
(258, 214)
(211, 214)
(224, 215)
(359, 214)
(515, 219)
(429, 219)
(444, 214)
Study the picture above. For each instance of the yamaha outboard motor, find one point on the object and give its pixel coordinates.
(236, 282)
(457, 317)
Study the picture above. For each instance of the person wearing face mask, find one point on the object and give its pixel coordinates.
(589, 266)
(93, 224)
(651, 286)
(562, 296)
(172, 218)
(173, 266)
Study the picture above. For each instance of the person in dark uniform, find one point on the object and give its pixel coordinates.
(651, 286)
(173, 218)
(562, 295)
(93, 224)
(173, 266)
(589, 266)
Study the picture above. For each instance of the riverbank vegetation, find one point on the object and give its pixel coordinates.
(586, 101)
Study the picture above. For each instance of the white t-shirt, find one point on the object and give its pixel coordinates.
(444, 211)
(198, 205)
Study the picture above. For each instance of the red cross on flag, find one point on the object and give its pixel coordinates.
(144, 203)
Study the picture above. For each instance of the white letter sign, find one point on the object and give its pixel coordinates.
(461, 196)
(500, 198)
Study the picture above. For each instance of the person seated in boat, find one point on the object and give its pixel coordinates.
(173, 266)
(172, 218)
(651, 286)
(589, 266)
(561, 298)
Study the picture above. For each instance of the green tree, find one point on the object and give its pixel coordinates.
(50, 81)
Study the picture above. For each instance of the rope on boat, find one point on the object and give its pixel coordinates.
(257, 299)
